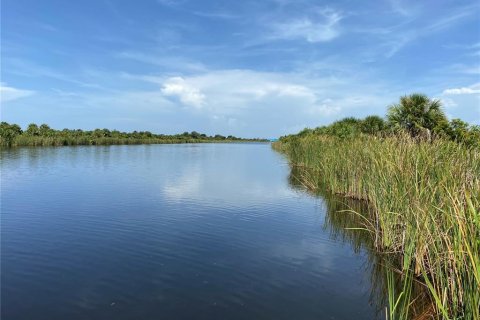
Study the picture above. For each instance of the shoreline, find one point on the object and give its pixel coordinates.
(425, 200)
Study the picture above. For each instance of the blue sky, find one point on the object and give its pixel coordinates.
(248, 68)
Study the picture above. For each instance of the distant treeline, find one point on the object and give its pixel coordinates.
(416, 114)
(12, 135)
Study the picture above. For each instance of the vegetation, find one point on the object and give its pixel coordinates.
(386, 282)
(415, 115)
(11, 135)
(420, 175)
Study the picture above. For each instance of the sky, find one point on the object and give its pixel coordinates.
(246, 68)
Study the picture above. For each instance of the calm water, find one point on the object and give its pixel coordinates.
(210, 231)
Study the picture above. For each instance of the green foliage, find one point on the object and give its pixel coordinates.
(195, 135)
(345, 128)
(425, 202)
(43, 135)
(32, 130)
(8, 133)
(372, 125)
(304, 132)
(462, 132)
(45, 130)
(420, 174)
(417, 114)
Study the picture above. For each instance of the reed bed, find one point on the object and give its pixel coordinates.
(12, 135)
(38, 141)
(425, 197)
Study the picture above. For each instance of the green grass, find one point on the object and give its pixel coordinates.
(37, 141)
(425, 200)
(11, 135)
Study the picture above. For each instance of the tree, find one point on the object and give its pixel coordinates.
(462, 132)
(8, 132)
(33, 130)
(99, 133)
(372, 125)
(474, 136)
(418, 114)
(345, 128)
(458, 130)
(45, 130)
(195, 135)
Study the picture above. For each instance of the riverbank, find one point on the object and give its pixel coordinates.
(425, 198)
(105, 141)
(11, 135)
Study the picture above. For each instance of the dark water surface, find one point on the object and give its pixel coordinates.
(209, 231)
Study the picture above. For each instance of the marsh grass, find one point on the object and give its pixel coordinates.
(41, 141)
(11, 135)
(37, 141)
(425, 200)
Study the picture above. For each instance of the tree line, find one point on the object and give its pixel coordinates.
(416, 114)
(43, 135)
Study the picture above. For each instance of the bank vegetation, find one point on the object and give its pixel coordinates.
(11, 135)
(420, 175)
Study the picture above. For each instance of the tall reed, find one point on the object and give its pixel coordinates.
(426, 207)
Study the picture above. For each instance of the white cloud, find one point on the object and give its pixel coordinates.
(241, 102)
(188, 94)
(253, 103)
(322, 28)
(473, 89)
(203, 181)
(461, 91)
(9, 93)
(229, 92)
(448, 103)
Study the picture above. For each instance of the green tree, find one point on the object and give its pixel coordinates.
(45, 130)
(195, 135)
(345, 128)
(372, 125)
(458, 130)
(8, 133)
(417, 113)
(473, 138)
(33, 130)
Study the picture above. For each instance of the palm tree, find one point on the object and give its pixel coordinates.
(417, 113)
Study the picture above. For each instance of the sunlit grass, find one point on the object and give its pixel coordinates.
(425, 198)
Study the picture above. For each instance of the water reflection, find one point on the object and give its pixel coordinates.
(177, 231)
(346, 220)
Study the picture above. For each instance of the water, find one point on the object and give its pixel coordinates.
(209, 231)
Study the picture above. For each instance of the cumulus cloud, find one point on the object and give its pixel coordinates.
(473, 89)
(231, 92)
(243, 100)
(186, 93)
(10, 93)
(321, 28)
